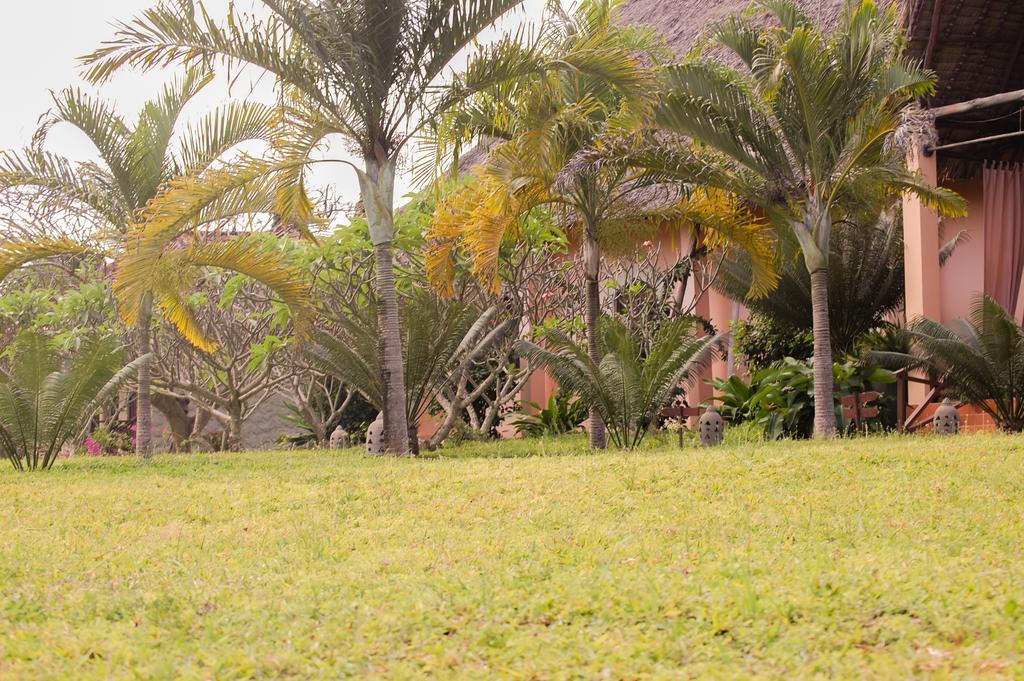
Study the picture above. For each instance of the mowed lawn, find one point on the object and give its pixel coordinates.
(881, 557)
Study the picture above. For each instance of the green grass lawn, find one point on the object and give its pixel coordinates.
(882, 557)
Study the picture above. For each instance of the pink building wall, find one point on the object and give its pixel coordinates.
(963, 275)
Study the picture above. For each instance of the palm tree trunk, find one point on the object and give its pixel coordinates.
(143, 400)
(824, 405)
(377, 187)
(592, 270)
(396, 423)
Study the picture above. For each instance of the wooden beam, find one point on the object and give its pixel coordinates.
(979, 103)
(929, 149)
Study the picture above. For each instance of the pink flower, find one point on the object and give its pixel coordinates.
(92, 446)
(648, 244)
(135, 428)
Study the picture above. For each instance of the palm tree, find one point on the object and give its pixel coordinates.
(44, 405)
(120, 194)
(804, 131)
(370, 72)
(549, 129)
(982, 358)
(630, 383)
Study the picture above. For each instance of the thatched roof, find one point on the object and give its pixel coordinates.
(975, 47)
(684, 22)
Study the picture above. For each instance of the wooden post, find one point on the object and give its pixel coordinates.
(921, 255)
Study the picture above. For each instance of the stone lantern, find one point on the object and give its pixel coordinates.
(947, 419)
(712, 428)
(375, 436)
(339, 438)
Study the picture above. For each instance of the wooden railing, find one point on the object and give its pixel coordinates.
(904, 379)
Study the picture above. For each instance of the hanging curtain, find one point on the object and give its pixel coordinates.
(1004, 232)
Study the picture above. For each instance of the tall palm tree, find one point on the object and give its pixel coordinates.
(548, 130)
(118, 193)
(804, 130)
(371, 72)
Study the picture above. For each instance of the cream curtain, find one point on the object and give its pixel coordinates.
(1004, 232)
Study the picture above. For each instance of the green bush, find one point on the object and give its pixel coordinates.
(563, 413)
(982, 358)
(635, 378)
(43, 404)
(762, 342)
(780, 398)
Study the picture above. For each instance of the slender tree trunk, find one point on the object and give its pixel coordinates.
(824, 405)
(396, 423)
(377, 186)
(234, 432)
(592, 269)
(143, 400)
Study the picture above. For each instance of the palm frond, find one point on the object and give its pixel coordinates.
(15, 253)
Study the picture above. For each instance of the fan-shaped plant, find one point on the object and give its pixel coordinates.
(43, 405)
(981, 357)
(438, 338)
(633, 381)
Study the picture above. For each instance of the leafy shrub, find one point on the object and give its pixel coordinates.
(563, 414)
(118, 439)
(982, 357)
(762, 342)
(44, 405)
(634, 379)
(780, 398)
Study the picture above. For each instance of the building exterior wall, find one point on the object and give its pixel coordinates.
(963, 275)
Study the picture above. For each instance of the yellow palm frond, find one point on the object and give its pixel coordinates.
(179, 269)
(726, 223)
(246, 188)
(15, 253)
(478, 218)
(175, 309)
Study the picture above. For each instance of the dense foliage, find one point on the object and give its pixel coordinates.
(633, 380)
(780, 397)
(981, 357)
(47, 400)
(563, 413)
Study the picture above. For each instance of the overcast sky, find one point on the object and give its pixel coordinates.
(40, 41)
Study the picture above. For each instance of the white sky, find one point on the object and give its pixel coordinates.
(41, 39)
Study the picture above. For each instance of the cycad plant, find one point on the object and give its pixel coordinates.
(45, 403)
(865, 282)
(546, 132)
(440, 339)
(373, 73)
(160, 248)
(805, 131)
(632, 381)
(981, 357)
